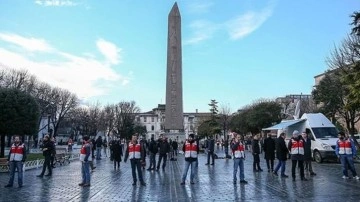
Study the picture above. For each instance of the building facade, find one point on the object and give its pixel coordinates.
(154, 121)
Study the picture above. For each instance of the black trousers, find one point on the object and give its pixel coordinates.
(47, 163)
(293, 168)
(136, 165)
(210, 153)
(162, 156)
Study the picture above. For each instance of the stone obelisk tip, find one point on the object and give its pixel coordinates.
(175, 10)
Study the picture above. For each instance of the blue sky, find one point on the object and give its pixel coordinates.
(233, 51)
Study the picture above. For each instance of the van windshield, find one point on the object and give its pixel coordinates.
(329, 132)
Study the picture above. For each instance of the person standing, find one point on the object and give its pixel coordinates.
(281, 155)
(269, 149)
(346, 151)
(211, 148)
(191, 151)
(53, 153)
(296, 148)
(164, 148)
(105, 145)
(99, 144)
(16, 158)
(85, 158)
(307, 153)
(116, 153)
(256, 153)
(70, 144)
(47, 148)
(175, 149)
(134, 152)
(153, 149)
(238, 149)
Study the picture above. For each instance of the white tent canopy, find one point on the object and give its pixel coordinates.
(284, 124)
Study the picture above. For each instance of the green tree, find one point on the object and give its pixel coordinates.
(19, 114)
(356, 23)
(253, 118)
(329, 93)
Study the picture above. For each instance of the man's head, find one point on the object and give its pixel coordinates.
(304, 134)
(295, 133)
(341, 135)
(191, 137)
(134, 138)
(282, 135)
(85, 138)
(46, 137)
(16, 139)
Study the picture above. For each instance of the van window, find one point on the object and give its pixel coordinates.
(329, 132)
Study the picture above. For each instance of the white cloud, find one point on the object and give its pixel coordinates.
(248, 22)
(55, 3)
(30, 44)
(203, 30)
(109, 50)
(84, 75)
(238, 27)
(199, 7)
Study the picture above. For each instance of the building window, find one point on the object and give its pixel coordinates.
(144, 118)
(152, 128)
(152, 119)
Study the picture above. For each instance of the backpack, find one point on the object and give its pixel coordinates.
(154, 147)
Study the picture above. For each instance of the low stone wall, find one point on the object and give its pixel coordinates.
(39, 163)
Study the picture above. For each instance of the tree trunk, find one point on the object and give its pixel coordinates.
(2, 153)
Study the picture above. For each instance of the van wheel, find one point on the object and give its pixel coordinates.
(317, 157)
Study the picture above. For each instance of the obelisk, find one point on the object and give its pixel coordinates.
(174, 102)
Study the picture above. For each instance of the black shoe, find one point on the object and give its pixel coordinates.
(206, 163)
(192, 182)
(284, 176)
(8, 185)
(86, 185)
(212, 164)
(149, 169)
(39, 175)
(304, 179)
(20, 185)
(134, 184)
(312, 173)
(143, 184)
(260, 170)
(182, 183)
(243, 182)
(48, 175)
(269, 170)
(81, 184)
(275, 173)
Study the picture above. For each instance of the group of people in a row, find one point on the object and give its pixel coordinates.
(299, 148)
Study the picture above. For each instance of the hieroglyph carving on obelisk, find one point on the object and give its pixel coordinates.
(174, 103)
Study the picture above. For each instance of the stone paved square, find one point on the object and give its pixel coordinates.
(214, 183)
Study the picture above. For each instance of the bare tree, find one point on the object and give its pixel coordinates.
(108, 114)
(64, 101)
(125, 117)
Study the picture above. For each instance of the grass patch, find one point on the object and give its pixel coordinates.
(32, 157)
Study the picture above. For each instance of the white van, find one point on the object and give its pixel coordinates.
(320, 129)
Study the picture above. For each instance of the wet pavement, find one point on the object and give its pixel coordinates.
(214, 183)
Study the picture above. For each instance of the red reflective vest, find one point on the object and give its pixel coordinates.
(239, 152)
(297, 147)
(344, 147)
(83, 152)
(17, 152)
(134, 151)
(191, 150)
